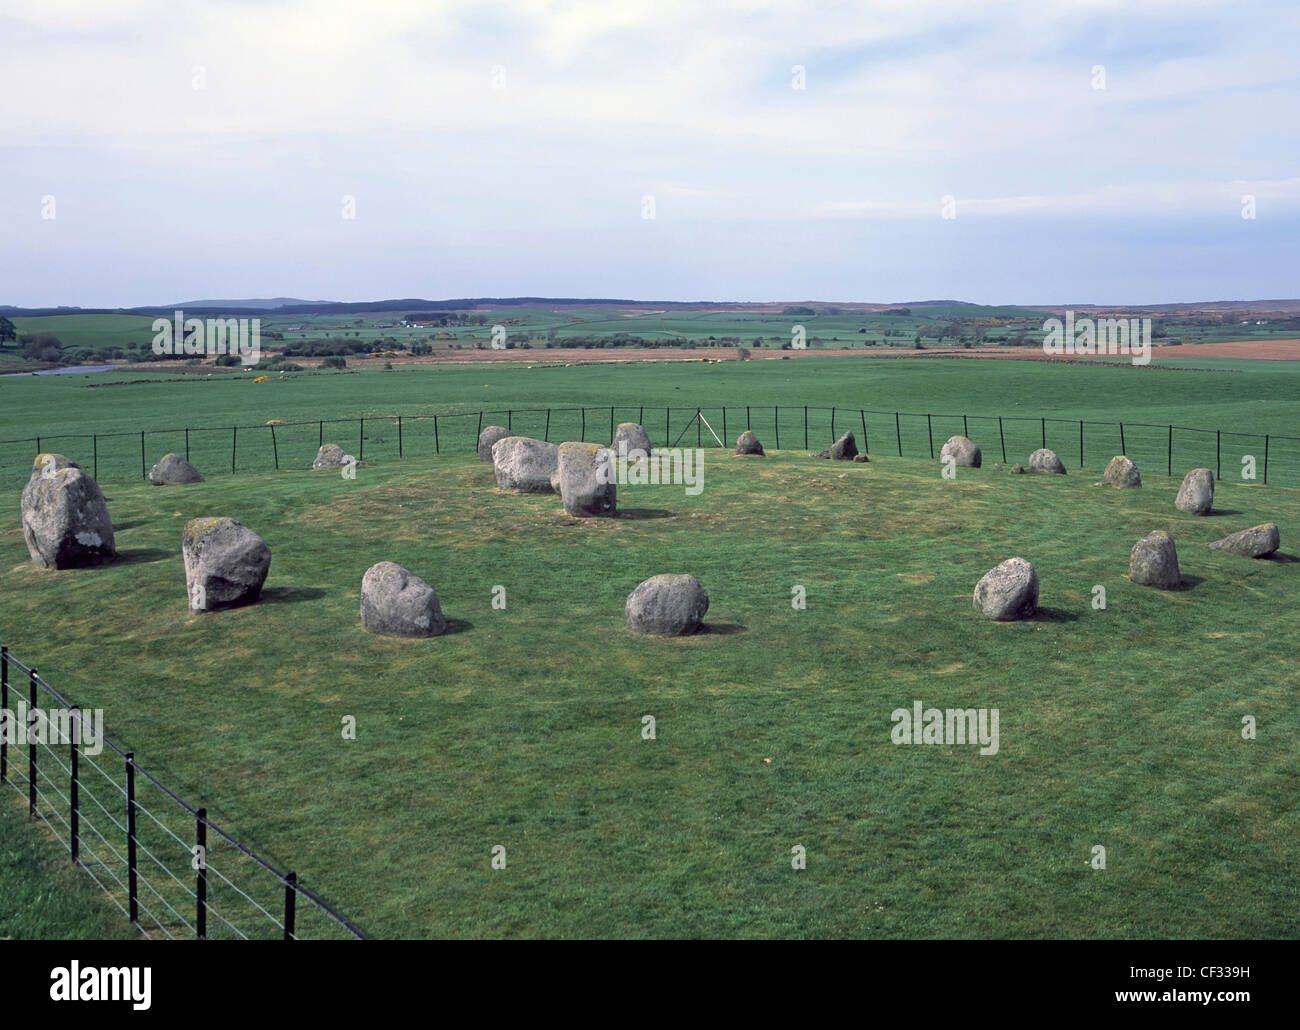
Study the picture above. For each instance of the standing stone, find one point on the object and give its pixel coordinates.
(1121, 472)
(1257, 542)
(667, 606)
(747, 443)
(173, 470)
(629, 439)
(487, 438)
(1008, 592)
(587, 486)
(331, 457)
(843, 449)
(65, 519)
(524, 465)
(1045, 460)
(398, 603)
(1196, 495)
(963, 450)
(225, 563)
(1154, 561)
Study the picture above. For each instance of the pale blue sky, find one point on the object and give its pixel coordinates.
(1064, 193)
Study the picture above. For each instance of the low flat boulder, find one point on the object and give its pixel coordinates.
(1008, 591)
(225, 563)
(667, 606)
(332, 457)
(1154, 562)
(747, 443)
(488, 438)
(844, 449)
(173, 470)
(1121, 472)
(65, 519)
(1045, 460)
(398, 603)
(963, 451)
(1257, 542)
(586, 474)
(631, 441)
(861, 459)
(1196, 495)
(524, 465)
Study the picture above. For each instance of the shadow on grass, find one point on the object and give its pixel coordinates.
(1224, 511)
(144, 555)
(1190, 582)
(456, 626)
(721, 629)
(1282, 558)
(290, 595)
(1055, 615)
(638, 514)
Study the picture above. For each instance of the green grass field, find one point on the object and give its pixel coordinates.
(522, 727)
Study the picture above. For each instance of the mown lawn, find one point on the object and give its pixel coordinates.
(522, 727)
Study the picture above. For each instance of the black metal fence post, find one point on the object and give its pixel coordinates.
(1080, 443)
(611, 423)
(805, 427)
(201, 875)
(776, 424)
(31, 756)
(929, 426)
(833, 436)
(290, 905)
(187, 443)
(1044, 433)
(1218, 454)
(132, 890)
(898, 430)
(234, 445)
(1170, 470)
(510, 419)
(94, 443)
(865, 448)
(546, 435)
(965, 429)
(724, 424)
(1266, 459)
(320, 433)
(399, 437)
(437, 448)
(361, 441)
(143, 471)
(668, 432)
(1002, 438)
(1123, 449)
(747, 418)
(699, 429)
(275, 450)
(480, 427)
(583, 436)
(74, 824)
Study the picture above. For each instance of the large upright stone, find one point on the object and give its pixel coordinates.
(398, 603)
(631, 440)
(667, 606)
(1257, 542)
(524, 465)
(65, 519)
(1196, 495)
(747, 443)
(1154, 561)
(173, 470)
(1008, 591)
(587, 486)
(1121, 472)
(962, 450)
(331, 457)
(225, 563)
(488, 438)
(843, 449)
(1045, 460)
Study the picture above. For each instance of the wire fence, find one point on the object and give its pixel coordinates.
(119, 457)
(170, 869)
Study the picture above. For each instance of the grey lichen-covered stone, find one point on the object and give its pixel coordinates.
(332, 457)
(398, 603)
(861, 459)
(631, 440)
(173, 470)
(1260, 541)
(1017, 469)
(48, 462)
(1196, 495)
(747, 443)
(1008, 591)
(488, 438)
(667, 606)
(524, 465)
(1045, 460)
(962, 450)
(843, 449)
(225, 563)
(586, 473)
(65, 518)
(1154, 561)
(1121, 472)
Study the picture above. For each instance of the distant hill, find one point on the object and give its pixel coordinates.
(250, 305)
